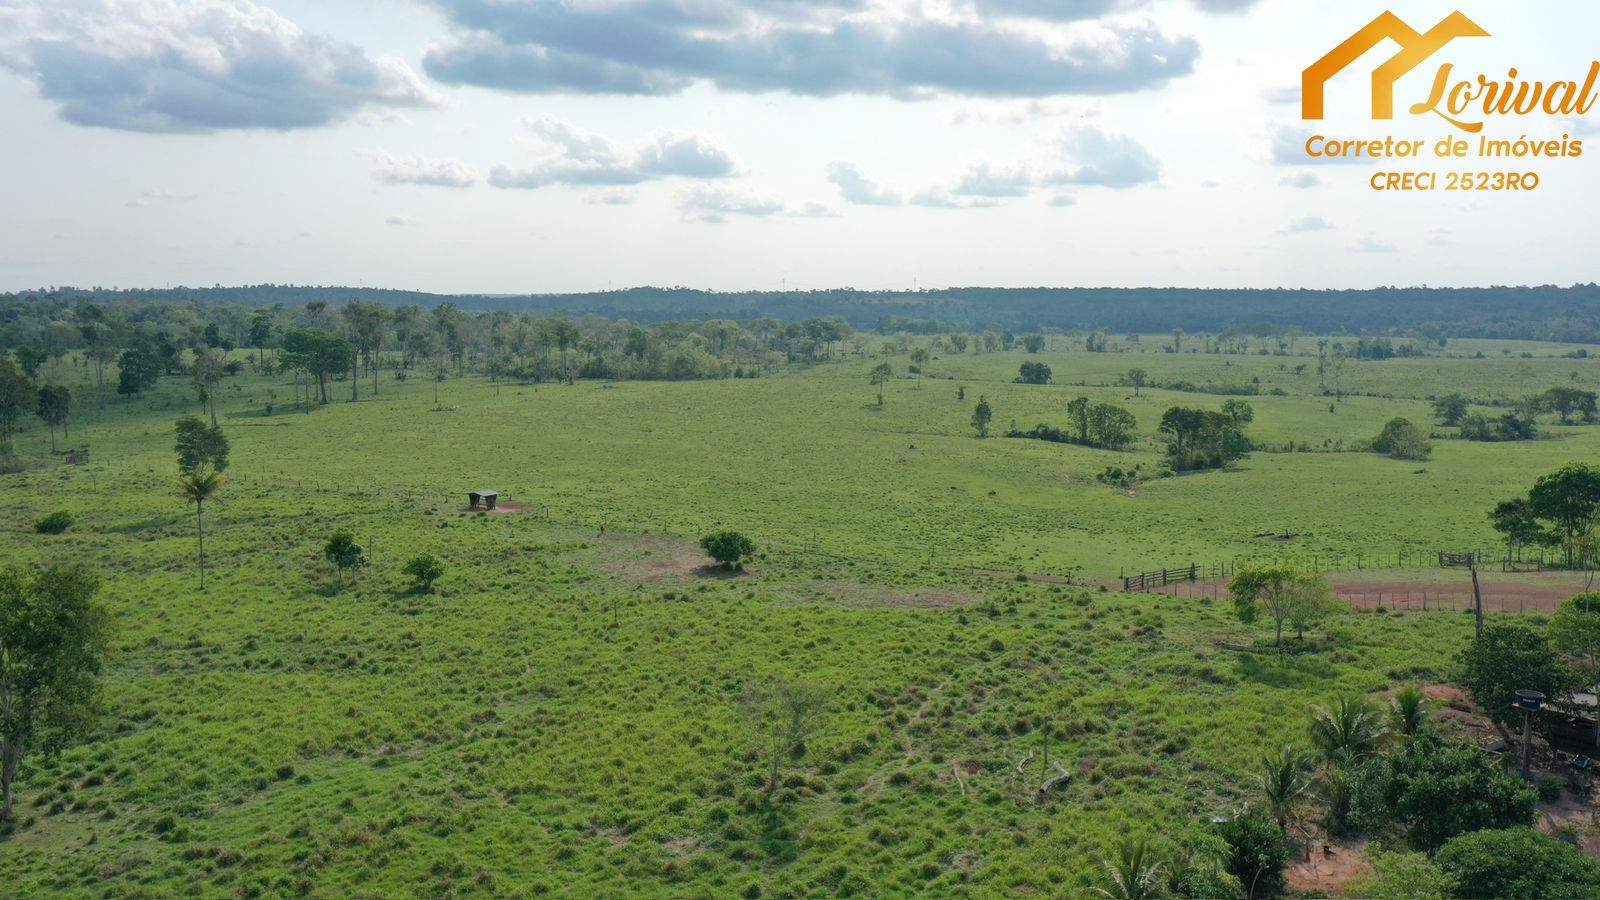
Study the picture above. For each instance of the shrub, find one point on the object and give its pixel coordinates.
(1518, 863)
(55, 523)
(424, 571)
(1404, 876)
(1257, 854)
(730, 548)
(1548, 787)
(1434, 790)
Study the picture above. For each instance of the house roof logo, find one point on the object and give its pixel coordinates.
(1415, 47)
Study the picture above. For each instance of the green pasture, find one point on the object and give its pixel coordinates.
(274, 736)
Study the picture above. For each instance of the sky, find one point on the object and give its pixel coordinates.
(514, 146)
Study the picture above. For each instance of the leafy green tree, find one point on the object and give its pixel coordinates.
(783, 715)
(424, 571)
(880, 376)
(1283, 596)
(1570, 499)
(1574, 632)
(29, 359)
(1258, 854)
(1401, 439)
(54, 403)
(1110, 427)
(1138, 378)
(1518, 864)
(319, 354)
(1240, 412)
(1033, 343)
(1200, 869)
(1510, 657)
(138, 370)
(729, 548)
(209, 367)
(1450, 410)
(1431, 790)
(982, 416)
(345, 554)
(1078, 413)
(1285, 778)
(1516, 520)
(1133, 872)
(202, 457)
(1397, 875)
(261, 329)
(1200, 439)
(919, 358)
(1567, 402)
(53, 640)
(1034, 373)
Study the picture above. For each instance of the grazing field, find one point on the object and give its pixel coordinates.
(562, 715)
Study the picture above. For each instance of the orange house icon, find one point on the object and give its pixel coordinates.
(1415, 48)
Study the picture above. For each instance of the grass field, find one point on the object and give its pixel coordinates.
(276, 736)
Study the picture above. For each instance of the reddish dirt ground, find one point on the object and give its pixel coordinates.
(1498, 596)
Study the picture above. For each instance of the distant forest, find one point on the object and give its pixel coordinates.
(1546, 313)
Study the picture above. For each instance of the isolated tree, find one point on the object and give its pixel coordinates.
(1569, 498)
(202, 457)
(1239, 412)
(138, 370)
(1283, 596)
(1033, 343)
(783, 715)
(1257, 854)
(54, 403)
(53, 638)
(209, 367)
(1567, 402)
(345, 554)
(729, 548)
(1450, 410)
(424, 571)
(1515, 519)
(1285, 778)
(1133, 872)
(982, 416)
(1138, 378)
(1400, 439)
(1512, 656)
(261, 329)
(29, 359)
(878, 377)
(1034, 373)
(96, 331)
(919, 358)
(319, 354)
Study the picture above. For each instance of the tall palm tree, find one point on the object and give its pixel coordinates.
(1285, 777)
(1348, 729)
(1134, 873)
(1409, 709)
(197, 489)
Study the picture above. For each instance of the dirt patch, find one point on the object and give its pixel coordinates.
(502, 508)
(649, 559)
(860, 596)
(1327, 869)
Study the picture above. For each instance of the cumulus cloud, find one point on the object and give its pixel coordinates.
(1289, 149)
(1105, 159)
(821, 48)
(1092, 158)
(1301, 180)
(420, 170)
(714, 205)
(573, 156)
(1370, 244)
(200, 66)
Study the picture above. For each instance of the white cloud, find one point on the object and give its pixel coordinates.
(200, 66)
(1309, 223)
(715, 205)
(1105, 159)
(420, 170)
(1301, 180)
(573, 156)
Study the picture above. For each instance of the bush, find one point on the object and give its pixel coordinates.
(55, 523)
(1516, 863)
(1548, 788)
(730, 548)
(1401, 439)
(1257, 854)
(1434, 790)
(1404, 876)
(424, 571)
